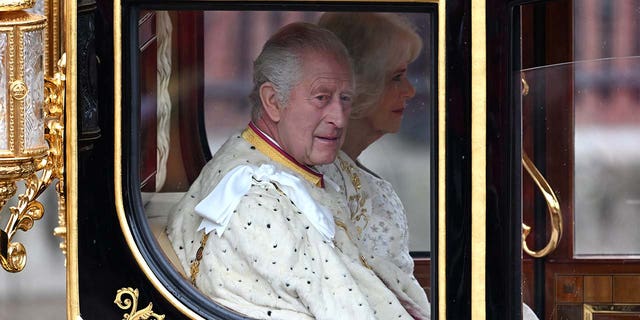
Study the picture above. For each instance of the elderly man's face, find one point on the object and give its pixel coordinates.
(312, 124)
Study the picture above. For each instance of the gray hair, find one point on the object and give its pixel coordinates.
(280, 61)
(377, 43)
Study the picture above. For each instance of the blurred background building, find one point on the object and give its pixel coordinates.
(607, 127)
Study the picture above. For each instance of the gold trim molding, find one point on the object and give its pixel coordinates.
(442, 156)
(12, 5)
(610, 311)
(69, 24)
(478, 159)
(132, 303)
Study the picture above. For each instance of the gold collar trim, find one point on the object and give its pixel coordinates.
(263, 144)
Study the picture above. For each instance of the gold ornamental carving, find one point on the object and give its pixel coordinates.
(18, 90)
(54, 98)
(37, 172)
(132, 303)
(11, 5)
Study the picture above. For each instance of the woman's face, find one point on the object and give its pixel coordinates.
(386, 117)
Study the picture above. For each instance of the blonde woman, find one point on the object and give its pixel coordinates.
(381, 46)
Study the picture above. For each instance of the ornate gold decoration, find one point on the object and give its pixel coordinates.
(195, 266)
(52, 41)
(18, 90)
(135, 314)
(28, 209)
(553, 207)
(61, 229)
(54, 98)
(15, 169)
(358, 210)
(12, 5)
(343, 225)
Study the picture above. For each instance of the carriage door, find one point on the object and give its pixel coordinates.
(580, 100)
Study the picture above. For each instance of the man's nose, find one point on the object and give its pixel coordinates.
(338, 113)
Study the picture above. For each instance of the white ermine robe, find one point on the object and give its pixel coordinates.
(270, 262)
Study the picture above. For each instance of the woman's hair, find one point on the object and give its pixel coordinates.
(377, 43)
(280, 61)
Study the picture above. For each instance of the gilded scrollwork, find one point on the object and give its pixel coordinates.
(553, 208)
(553, 205)
(132, 303)
(54, 100)
(38, 173)
(22, 217)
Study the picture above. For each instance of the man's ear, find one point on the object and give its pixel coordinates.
(270, 104)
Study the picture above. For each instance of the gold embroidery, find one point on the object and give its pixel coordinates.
(364, 262)
(195, 265)
(359, 212)
(344, 227)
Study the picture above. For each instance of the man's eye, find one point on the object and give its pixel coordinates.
(323, 97)
(397, 77)
(347, 99)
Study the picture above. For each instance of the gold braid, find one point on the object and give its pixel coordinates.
(195, 265)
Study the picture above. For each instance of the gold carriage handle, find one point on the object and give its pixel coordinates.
(553, 207)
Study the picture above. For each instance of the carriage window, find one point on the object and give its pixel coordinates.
(595, 137)
(172, 120)
(581, 128)
(227, 79)
(607, 127)
(195, 75)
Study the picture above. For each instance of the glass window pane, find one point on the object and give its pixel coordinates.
(607, 127)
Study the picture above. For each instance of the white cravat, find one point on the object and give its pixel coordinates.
(217, 208)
